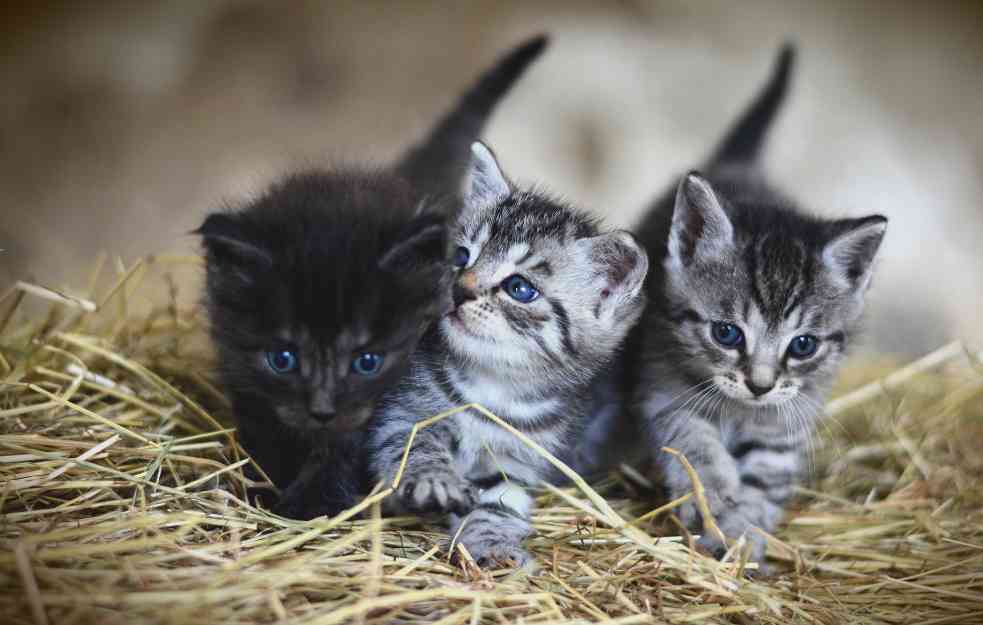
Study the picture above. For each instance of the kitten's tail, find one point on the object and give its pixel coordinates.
(439, 162)
(744, 140)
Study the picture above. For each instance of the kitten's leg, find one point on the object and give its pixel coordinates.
(700, 442)
(771, 465)
(331, 480)
(769, 468)
(431, 481)
(494, 531)
(736, 506)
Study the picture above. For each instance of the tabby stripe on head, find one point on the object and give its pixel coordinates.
(543, 266)
(687, 315)
(522, 321)
(524, 258)
(796, 301)
(756, 294)
(564, 322)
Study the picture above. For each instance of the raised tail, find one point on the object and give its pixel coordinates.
(744, 140)
(438, 163)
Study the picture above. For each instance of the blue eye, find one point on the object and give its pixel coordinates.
(368, 363)
(803, 346)
(461, 257)
(727, 334)
(281, 360)
(519, 289)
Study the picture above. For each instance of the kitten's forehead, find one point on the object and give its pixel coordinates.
(769, 283)
(524, 218)
(779, 276)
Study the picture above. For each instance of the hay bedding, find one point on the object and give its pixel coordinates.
(122, 501)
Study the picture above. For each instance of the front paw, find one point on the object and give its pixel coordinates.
(436, 491)
(748, 513)
(491, 554)
(719, 500)
(493, 536)
(494, 549)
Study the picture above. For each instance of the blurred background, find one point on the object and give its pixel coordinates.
(123, 123)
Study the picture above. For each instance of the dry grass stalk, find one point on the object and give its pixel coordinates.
(122, 500)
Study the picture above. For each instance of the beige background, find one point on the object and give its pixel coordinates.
(122, 124)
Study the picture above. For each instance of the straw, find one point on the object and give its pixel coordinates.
(122, 501)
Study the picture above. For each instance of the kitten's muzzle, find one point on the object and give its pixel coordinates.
(756, 390)
(323, 417)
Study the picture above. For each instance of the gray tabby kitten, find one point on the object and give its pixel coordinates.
(753, 306)
(542, 301)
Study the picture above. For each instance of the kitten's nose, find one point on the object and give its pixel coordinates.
(756, 390)
(462, 294)
(323, 417)
(320, 405)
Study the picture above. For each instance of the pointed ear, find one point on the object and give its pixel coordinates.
(620, 265)
(484, 183)
(700, 227)
(226, 237)
(849, 256)
(423, 243)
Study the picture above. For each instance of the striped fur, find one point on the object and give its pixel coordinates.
(533, 364)
(734, 250)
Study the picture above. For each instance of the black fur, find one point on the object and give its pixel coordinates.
(746, 137)
(446, 152)
(332, 264)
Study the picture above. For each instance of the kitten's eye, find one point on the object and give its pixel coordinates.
(281, 360)
(519, 289)
(461, 257)
(803, 346)
(368, 363)
(727, 334)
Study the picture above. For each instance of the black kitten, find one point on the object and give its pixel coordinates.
(320, 289)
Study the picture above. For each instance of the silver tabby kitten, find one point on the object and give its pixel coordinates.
(542, 301)
(753, 306)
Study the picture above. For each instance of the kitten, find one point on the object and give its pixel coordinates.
(753, 305)
(320, 289)
(542, 302)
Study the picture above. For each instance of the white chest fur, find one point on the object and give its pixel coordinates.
(485, 447)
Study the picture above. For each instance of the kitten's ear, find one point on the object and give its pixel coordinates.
(423, 243)
(484, 184)
(227, 238)
(700, 227)
(620, 265)
(849, 256)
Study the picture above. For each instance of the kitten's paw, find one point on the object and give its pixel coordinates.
(744, 517)
(436, 491)
(720, 502)
(491, 551)
(493, 536)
